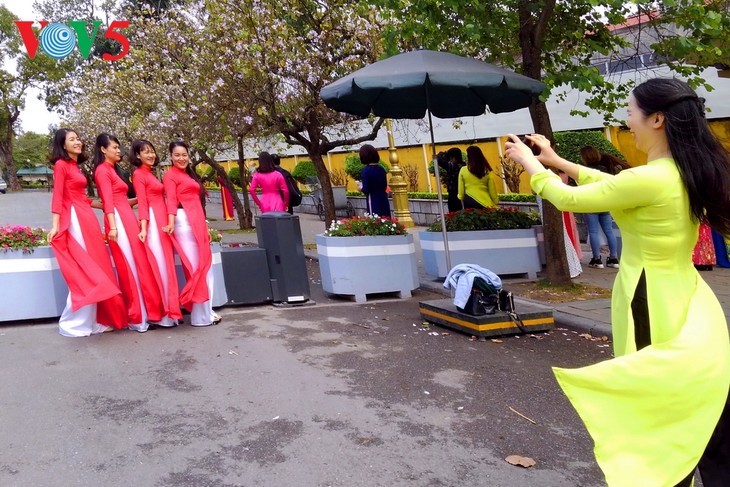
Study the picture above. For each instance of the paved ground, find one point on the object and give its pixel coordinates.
(336, 394)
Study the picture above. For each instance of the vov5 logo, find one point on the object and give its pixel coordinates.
(59, 40)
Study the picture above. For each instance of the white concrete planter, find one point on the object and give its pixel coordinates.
(501, 251)
(357, 266)
(219, 297)
(32, 285)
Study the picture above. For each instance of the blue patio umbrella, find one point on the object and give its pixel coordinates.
(419, 83)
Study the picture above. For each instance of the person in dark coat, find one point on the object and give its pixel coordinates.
(285, 173)
(451, 163)
(374, 182)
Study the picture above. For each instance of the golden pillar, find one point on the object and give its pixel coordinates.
(398, 185)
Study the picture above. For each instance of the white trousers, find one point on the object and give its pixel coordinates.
(123, 242)
(202, 313)
(82, 322)
(154, 243)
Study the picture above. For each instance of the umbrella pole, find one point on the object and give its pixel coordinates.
(445, 236)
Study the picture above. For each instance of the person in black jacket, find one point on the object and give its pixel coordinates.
(286, 174)
(451, 163)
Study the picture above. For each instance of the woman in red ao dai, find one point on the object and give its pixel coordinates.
(186, 221)
(139, 281)
(94, 303)
(152, 213)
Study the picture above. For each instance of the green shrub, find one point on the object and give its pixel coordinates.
(569, 144)
(233, 175)
(367, 225)
(303, 170)
(206, 173)
(507, 197)
(518, 198)
(353, 166)
(487, 219)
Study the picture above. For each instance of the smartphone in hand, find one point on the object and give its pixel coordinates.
(535, 149)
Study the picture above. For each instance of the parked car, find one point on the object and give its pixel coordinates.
(3, 186)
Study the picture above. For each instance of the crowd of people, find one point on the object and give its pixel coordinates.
(144, 291)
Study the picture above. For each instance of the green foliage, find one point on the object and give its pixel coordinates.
(14, 237)
(31, 149)
(207, 174)
(353, 166)
(215, 235)
(234, 175)
(487, 219)
(303, 170)
(569, 144)
(559, 41)
(518, 197)
(420, 195)
(369, 225)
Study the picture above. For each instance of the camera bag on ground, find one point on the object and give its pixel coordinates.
(485, 299)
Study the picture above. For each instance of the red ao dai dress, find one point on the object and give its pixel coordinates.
(94, 302)
(151, 207)
(139, 281)
(182, 193)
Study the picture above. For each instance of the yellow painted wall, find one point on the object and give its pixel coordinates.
(420, 156)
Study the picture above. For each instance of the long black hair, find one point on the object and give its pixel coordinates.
(476, 163)
(102, 140)
(138, 145)
(189, 168)
(266, 163)
(703, 163)
(58, 149)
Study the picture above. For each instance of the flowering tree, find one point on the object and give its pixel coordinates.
(166, 89)
(290, 49)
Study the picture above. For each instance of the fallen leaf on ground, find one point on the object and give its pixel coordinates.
(520, 461)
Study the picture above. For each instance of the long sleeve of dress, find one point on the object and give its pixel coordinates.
(59, 182)
(462, 186)
(106, 193)
(255, 183)
(143, 206)
(170, 194)
(631, 188)
(492, 189)
(365, 183)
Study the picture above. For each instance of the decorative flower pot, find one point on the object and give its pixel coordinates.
(500, 251)
(32, 285)
(358, 266)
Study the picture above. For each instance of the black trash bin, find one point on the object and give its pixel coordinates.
(280, 235)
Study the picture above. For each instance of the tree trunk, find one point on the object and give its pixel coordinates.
(533, 26)
(245, 216)
(6, 156)
(556, 260)
(226, 181)
(328, 199)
